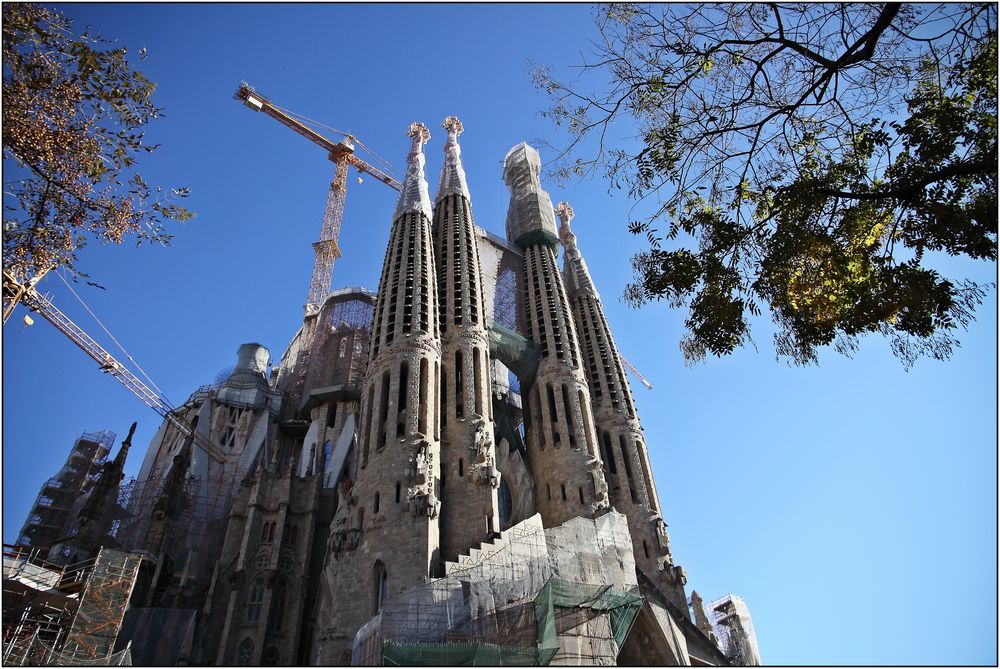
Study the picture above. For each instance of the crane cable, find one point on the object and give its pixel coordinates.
(389, 167)
(127, 354)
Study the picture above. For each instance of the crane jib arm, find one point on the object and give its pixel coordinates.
(335, 150)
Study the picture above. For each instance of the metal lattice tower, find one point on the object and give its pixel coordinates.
(341, 154)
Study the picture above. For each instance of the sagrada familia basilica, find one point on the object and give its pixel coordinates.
(449, 470)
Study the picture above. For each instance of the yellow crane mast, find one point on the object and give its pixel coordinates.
(341, 154)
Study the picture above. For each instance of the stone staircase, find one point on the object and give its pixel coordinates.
(480, 554)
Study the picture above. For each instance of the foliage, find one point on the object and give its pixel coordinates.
(73, 117)
(820, 159)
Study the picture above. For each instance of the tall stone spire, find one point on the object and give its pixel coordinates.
(387, 523)
(623, 447)
(97, 512)
(562, 444)
(576, 275)
(414, 196)
(469, 476)
(452, 173)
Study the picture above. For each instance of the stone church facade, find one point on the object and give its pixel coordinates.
(480, 387)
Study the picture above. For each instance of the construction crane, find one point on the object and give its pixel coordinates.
(341, 154)
(635, 372)
(29, 296)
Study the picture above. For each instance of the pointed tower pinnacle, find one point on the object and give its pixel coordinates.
(414, 195)
(452, 172)
(123, 451)
(576, 274)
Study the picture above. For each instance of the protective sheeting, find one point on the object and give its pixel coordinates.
(519, 354)
(501, 603)
(530, 217)
(158, 636)
(734, 628)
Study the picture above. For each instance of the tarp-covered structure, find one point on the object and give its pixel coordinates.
(533, 596)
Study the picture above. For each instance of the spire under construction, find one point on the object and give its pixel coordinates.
(562, 446)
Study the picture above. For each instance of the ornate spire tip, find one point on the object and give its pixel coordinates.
(452, 124)
(565, 213)
(418, 131)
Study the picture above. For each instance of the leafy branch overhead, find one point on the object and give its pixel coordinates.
(817, 160)
(73, 117)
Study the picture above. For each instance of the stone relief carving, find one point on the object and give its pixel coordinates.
(485, 470)
(420, 495)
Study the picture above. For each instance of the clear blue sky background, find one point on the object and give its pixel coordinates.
(853, 504)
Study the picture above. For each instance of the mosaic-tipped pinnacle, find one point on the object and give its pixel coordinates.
(452, 124)
(418, 130)
(565, 213)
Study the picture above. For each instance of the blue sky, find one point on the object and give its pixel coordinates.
(853, 505)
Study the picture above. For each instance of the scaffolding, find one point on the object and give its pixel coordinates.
(529, 597)
(353, 308)
(733, 627)
(193, 537)
(48, 607)
(52, 513)
(102, 606)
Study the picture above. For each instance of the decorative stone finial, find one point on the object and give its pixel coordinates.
(565, 213)
(576, 276)
(419, 132)
(452, 173)
(453, 125)
(414, 196)
(566, 236)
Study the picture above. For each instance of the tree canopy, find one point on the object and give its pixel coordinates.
(817, 160)
(73, 116)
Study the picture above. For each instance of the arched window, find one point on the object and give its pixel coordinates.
(265, 532)
(276, 620)
(255, 599)
(270, 532)
(271, 657)
(244, 653)
(380, 582)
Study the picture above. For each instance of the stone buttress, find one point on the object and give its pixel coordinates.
(623, 448)
(384, 538)
(561, 439)
(469, 476)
